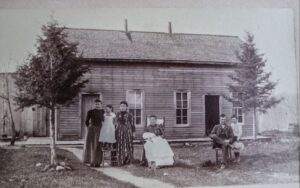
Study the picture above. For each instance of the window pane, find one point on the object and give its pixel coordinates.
(132, 111)
(178, 113)
(178, 120)
(138, 100)
(138, 112)
(240, 119)
(184, 112)
(131, 99)
(138, 120)
(234, 111)
(184, 119)
(240, 112)
(178, 96)
(179, 104)
(184, 96)
(185, 104)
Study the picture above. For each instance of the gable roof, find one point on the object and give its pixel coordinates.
(137, 45)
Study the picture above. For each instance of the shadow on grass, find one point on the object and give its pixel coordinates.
(5, 159)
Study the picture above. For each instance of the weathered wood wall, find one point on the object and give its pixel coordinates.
(31, 120)
(158, 81)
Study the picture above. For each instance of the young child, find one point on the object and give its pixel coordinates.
(237, 131)
(107, 133)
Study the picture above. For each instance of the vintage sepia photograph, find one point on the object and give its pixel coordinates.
(149, 93)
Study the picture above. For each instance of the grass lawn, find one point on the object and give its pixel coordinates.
(275, 161)
(18, 169)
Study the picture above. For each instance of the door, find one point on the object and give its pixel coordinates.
(212, 112)
(87, 103)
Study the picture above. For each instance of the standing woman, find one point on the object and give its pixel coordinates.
(125, 131)
(92, 149)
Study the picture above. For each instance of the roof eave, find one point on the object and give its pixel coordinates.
(163, 61)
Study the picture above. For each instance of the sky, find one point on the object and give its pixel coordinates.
(273, 30)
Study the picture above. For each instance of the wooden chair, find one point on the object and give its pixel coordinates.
(217, 150)
(104, 154)
(159, 121)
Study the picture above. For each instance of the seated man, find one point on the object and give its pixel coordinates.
(156, 149)
(223, 137)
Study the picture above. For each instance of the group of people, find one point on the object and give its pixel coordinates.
(115, 132)
(107, 130)
(227, 137)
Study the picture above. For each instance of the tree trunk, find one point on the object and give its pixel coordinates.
(13, 129)
(53, 160)
(255, 123)
(12, 142)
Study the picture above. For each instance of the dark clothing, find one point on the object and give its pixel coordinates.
(158, 130)
(92, 149)
(224, 133)
(96, 116)
(219, 134)
(113, 155)
(124, 137)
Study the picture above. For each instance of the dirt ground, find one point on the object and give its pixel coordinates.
(18, 169)
(275, 161)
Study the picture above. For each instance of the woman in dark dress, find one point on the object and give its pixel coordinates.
(125, 132)
(92, 149)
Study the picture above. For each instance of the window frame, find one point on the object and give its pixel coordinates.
(188, 108)
(142, 105)
(235, 111)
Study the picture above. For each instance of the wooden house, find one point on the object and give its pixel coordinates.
(178, 76)
(32, 121)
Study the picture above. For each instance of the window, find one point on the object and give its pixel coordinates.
(239, 114)
(135, 104)
(182, 107)
(238, 109)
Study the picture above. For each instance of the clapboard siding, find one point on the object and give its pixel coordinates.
(158, 81)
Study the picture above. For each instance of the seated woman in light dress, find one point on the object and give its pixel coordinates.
(156, 149)
(237, 146)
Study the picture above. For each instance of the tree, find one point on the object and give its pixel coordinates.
(6, 97)
(251, 86)
(52, 77)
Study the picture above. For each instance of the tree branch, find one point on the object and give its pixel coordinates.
(3, 97)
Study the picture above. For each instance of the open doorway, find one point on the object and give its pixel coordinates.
(88, 101)
(212, 112)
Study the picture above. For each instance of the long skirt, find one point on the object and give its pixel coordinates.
(124, 146)
(92, 149)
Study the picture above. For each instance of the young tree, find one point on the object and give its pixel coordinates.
(7, 97)
(251, 87)
(51, 77)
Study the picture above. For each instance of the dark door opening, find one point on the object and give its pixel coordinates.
(212, 112)
(86, 105)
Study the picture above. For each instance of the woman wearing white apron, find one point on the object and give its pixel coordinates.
(107, 133)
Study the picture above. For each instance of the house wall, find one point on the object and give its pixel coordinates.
(158, 81)
(30, 120)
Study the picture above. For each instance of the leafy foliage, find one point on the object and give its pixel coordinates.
(251, 86)
(53, 75)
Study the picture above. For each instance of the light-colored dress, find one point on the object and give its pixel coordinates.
(237, 131)
(158, 150)
(107, 133)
